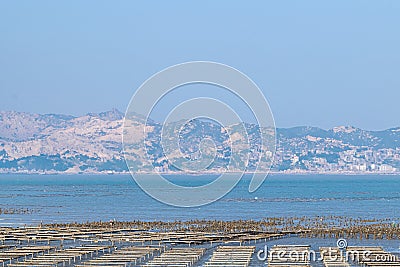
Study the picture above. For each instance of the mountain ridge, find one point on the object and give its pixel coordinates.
(92, 143)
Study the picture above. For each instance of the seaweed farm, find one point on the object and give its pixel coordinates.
(109, 221)
(203, 243)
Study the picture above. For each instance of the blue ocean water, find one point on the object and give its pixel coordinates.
(81, 198)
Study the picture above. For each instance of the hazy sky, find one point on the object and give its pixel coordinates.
(320, 63)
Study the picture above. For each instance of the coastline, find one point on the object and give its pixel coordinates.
(289, 173)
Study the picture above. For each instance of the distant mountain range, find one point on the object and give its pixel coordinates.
(52, 143)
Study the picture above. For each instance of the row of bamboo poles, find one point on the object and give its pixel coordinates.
(321, 227)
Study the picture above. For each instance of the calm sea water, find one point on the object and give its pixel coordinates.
(69, 198)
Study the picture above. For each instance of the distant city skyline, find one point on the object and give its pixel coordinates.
(321, 64)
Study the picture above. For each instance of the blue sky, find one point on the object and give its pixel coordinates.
(320, 63)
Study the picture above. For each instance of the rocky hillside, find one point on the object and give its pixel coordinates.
(93, 143)
(51, 142)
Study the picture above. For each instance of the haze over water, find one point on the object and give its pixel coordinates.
(81, 198)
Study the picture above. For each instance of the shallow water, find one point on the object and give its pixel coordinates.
(69, 198)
